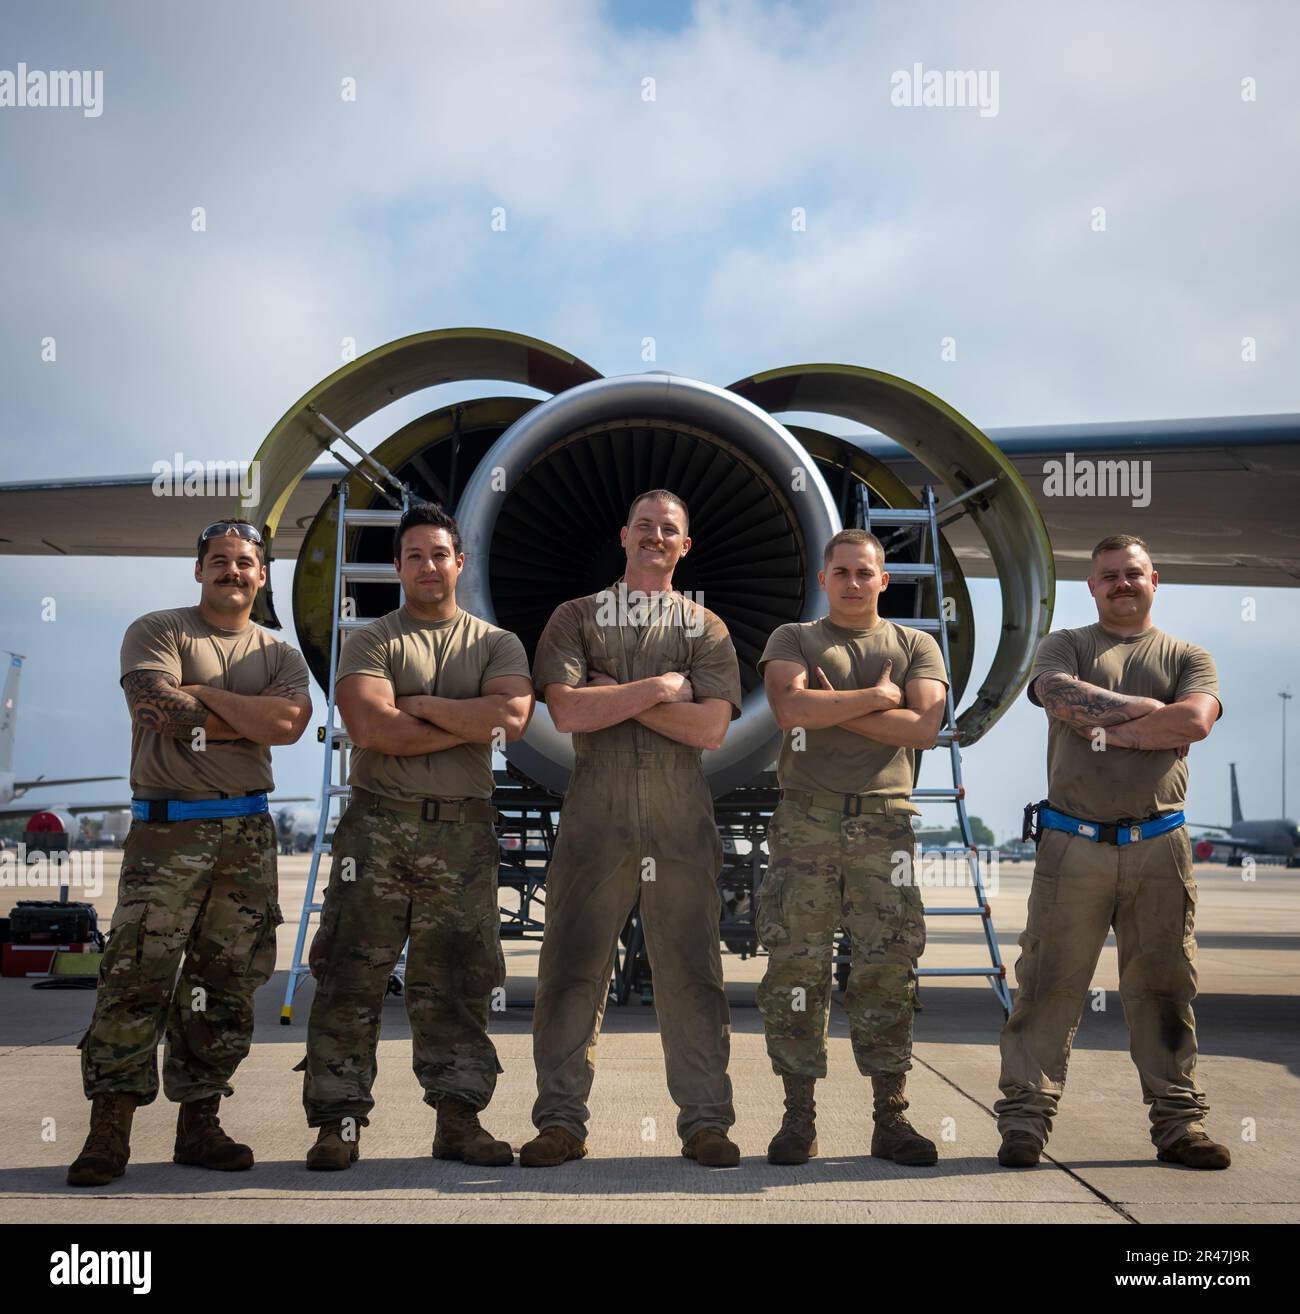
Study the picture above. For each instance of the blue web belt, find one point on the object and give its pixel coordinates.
(177, 809)
(1109, 832)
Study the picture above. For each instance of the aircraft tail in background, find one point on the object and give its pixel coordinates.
(9, 710)
(1236, 798)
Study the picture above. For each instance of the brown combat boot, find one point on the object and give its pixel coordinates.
(459, 1136)
(1196, 1150)
(796, 1142)
(1019, 1149)
(201, 1143)
(333, 1150)
(108, 1147)
(710, 1148)
(894, 1137)
(550, 1147)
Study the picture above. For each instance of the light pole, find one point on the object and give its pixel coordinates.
(1286, 698)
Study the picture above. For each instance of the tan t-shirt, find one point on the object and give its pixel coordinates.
(185, 646)
(835, 760)
(1120, 782)
(634, 637)
(448, 659)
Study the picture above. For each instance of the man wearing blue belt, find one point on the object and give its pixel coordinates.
(209, 693)
(1124, 702)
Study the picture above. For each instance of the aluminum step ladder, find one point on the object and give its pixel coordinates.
(333, 735)
(925, 521)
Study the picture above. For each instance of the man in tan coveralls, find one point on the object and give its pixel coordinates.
(857, 696)
(644, 680)
(209, 693)
(1124, 700)
(426, 692)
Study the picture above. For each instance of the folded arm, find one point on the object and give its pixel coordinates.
(795, 705)
(374, 720)
(1173, 725)
(159, 704)
(504, 704)
(1078, 703)
(699, 725)
(278, 715)
(597, 706)
(913, 726)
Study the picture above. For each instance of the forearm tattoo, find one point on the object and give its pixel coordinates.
(1070, 699)
(158, 704)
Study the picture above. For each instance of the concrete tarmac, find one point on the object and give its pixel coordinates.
(1101, 1166)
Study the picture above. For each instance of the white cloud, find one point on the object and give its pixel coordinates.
(629, 219)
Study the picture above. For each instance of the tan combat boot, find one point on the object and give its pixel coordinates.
(108, 1147)
(1196, 1150)
(550, 1147)
(459, 1136)
(710, 1148)
(894, 1137)
(201, 1143)
(333, 1151)
(796, 1142)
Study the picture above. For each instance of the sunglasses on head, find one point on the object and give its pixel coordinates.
(224, 527)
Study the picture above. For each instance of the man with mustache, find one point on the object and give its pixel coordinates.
(644, 679)
(1124, 702)
(209, 693)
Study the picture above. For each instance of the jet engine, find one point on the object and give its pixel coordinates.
(541, 487)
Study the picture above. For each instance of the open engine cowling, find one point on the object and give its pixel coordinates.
(541, 488)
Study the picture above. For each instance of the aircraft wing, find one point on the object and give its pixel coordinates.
(1235, 845)
(22, 808)
(42, 782)
(1220, 495)
(121, 517)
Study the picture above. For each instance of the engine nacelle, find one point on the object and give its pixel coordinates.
(541, 488)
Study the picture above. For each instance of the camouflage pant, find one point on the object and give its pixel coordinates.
(827, 871)
(395, 876)
(198, 897)
(1080, 890)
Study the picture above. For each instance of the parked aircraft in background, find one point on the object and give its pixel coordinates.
(1278, 837)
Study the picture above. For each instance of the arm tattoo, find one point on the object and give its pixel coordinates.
(158, 704)
(1069, 699)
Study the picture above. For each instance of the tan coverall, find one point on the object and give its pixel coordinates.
(637, 821)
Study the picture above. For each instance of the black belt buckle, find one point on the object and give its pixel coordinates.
(425, 804)
(1110, 833)
(856, 809)
(155, 810)
(1031, 829)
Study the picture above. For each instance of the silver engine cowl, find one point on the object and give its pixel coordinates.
(541, 513)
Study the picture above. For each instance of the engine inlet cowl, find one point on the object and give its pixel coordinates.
(541, 514)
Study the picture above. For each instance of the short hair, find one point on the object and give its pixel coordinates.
(1117, 541)
(426, 513)
(202, 545)
(661, 495)
(852, 536)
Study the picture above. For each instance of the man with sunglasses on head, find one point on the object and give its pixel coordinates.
(209, 693)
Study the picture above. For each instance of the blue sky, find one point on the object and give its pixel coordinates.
(630, 218)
